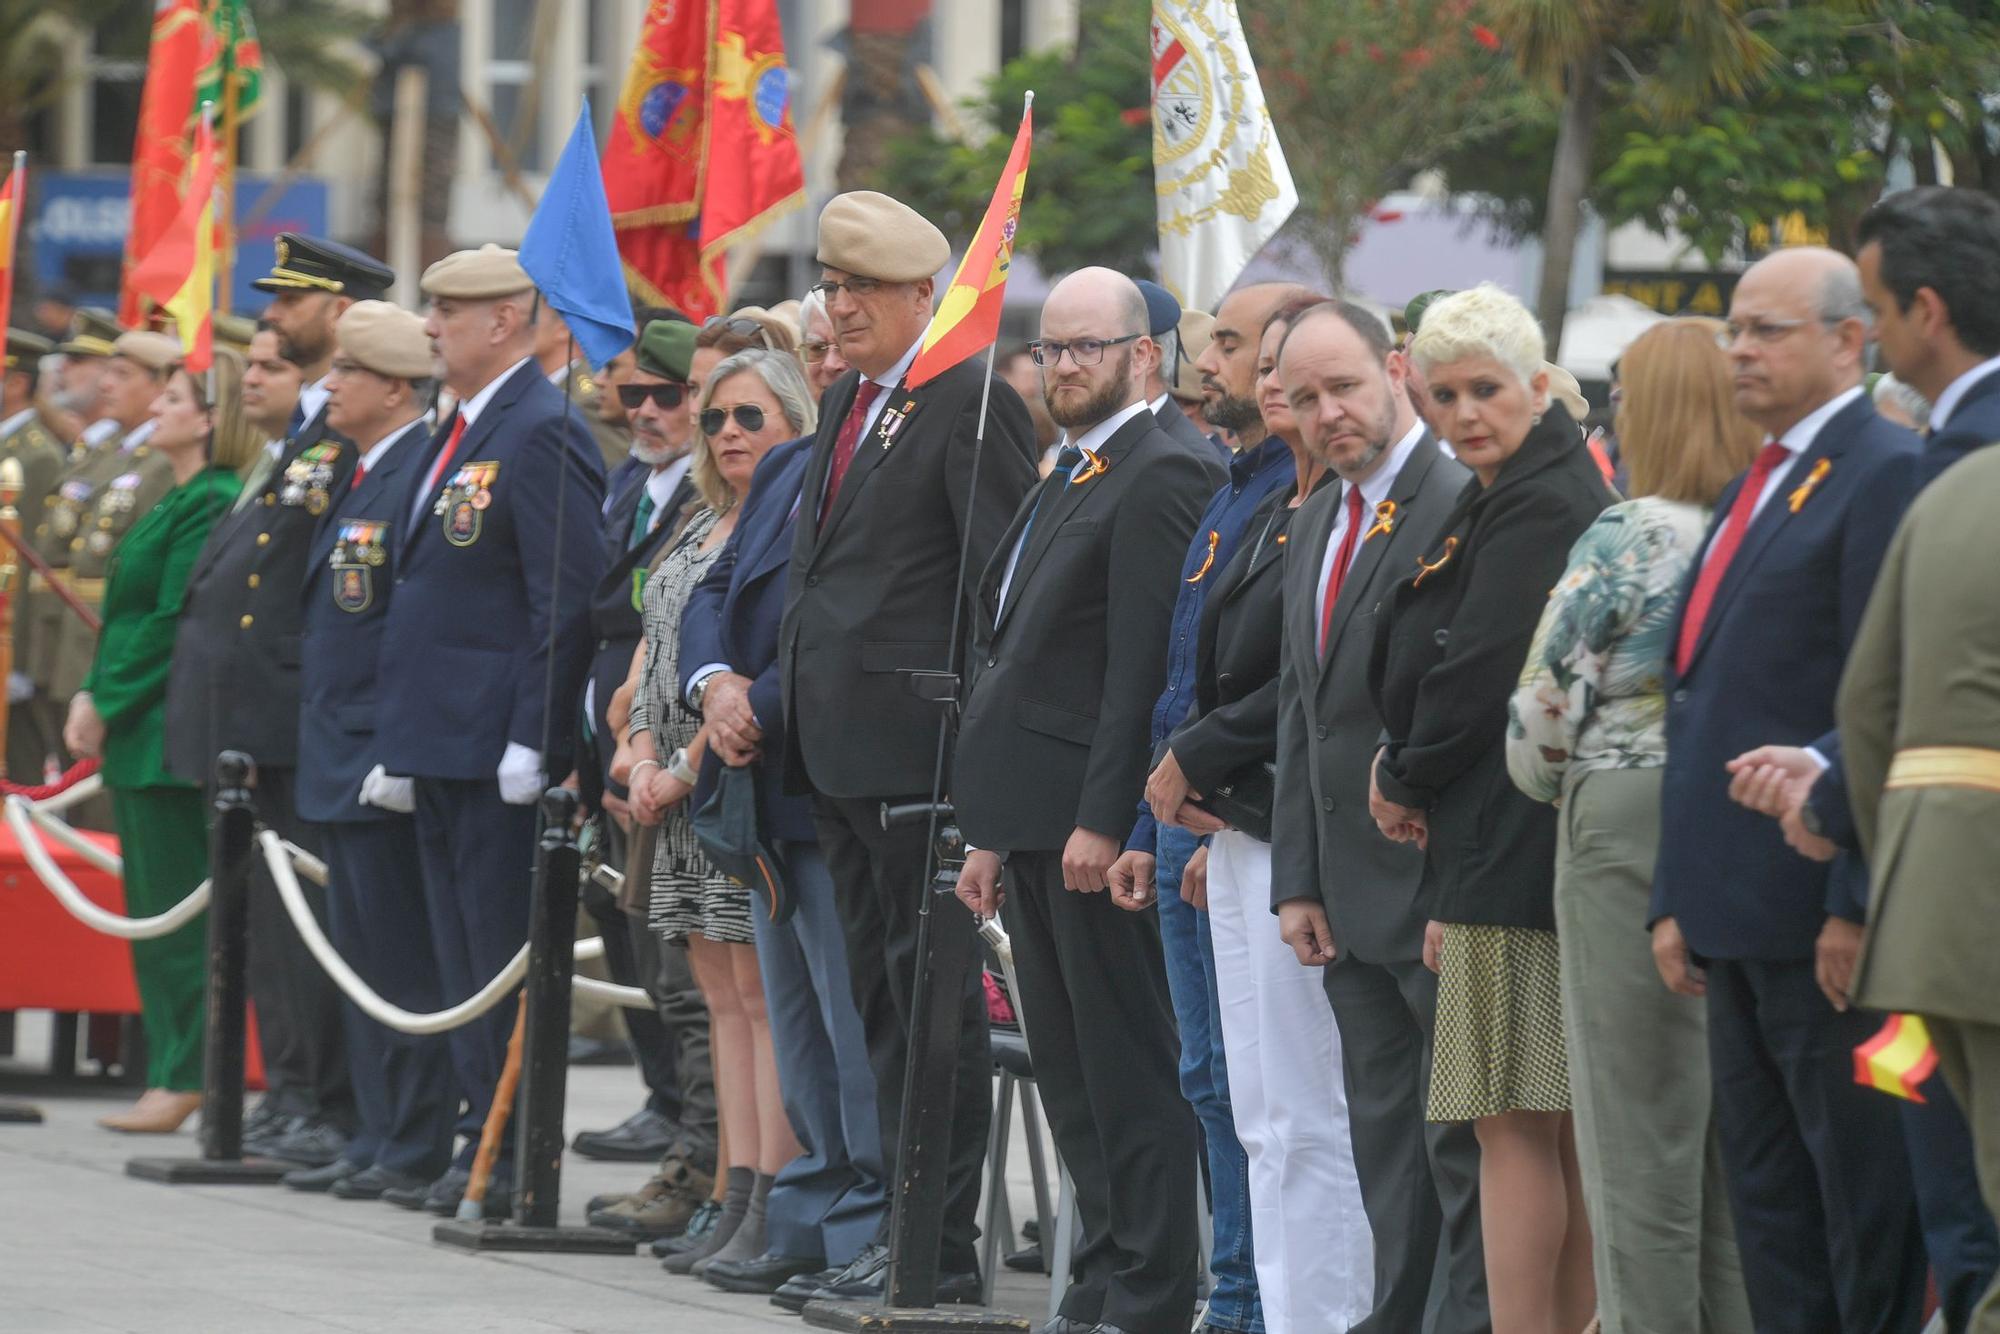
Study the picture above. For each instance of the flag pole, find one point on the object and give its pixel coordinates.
(986, 387)
(17, 199)
(225, 213)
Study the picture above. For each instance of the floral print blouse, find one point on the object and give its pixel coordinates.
(1593, 693)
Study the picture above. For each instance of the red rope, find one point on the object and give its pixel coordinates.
(75, 774)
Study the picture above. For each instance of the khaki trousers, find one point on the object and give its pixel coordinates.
(1969, 1055)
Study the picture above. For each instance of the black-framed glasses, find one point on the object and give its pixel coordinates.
(668, 395)
(1083, 351)
(856, 287)
(740, 325)
(748, 415)
(814, 350)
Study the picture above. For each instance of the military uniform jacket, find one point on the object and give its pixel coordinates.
(42, 458)
(126, 484)
(350, 573)
(236, 662)
(481, 593)
(871, 590)
(142, 606)
(1063, 675)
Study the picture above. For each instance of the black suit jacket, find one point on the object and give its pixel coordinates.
(1176, 424)
(235, 681)
(1447, 656)
(871, 590)
(1062, 678)
(1324, 844)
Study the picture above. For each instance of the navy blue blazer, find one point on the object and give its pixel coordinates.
(350, 573)
(1765, 670)
(482, 593)
(1974, 424)
(733, 617)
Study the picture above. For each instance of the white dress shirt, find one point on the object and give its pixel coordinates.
(1948, 401)
(660, 484)
(1374, 491)
(1796, 441)
(15, 422)
(99, 431)
(312, 398)
(138, 435)
(1090, 442)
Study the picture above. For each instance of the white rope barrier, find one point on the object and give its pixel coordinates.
(632, 998)
(78, 792)
(23, 820)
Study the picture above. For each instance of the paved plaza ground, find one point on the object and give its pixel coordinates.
(85, 1249)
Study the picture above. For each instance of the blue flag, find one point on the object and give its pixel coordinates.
(572, 253)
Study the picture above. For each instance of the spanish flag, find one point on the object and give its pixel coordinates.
(178, 273)
(159, 150)
(968, 317)
(11, 200)
(1897, 1060)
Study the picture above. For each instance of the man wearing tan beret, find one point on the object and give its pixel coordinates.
(406, 1098)
(895, 491)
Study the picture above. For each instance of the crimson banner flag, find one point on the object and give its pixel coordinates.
(160, 150)
(179, 272)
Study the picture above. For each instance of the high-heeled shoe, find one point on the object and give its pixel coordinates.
(158, 1112)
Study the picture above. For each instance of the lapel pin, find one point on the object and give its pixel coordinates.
(1427, 568)
(892, 422)
(1803, 491)
(1094, 465)
(1214, 537)
(1385, 520)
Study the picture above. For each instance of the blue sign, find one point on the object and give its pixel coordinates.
(77, 222)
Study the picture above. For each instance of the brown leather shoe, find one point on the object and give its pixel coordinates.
(158, 1112)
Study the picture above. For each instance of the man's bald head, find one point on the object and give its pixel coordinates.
(1094, 349)
(1798, 334)
(1228, 366)
(1097, 291)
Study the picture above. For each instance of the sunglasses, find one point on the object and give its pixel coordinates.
(668, 395)
(748, 416)
(740, 325)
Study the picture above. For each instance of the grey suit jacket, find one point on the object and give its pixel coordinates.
(1324, 843)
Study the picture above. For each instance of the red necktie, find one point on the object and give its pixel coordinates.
(843, 444)
(360, 471)
(1726, 542)
(1342, 558)
(444, 455)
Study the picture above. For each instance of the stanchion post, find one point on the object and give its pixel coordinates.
(231, 842)
(538, 1142)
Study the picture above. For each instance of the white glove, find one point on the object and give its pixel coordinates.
(20, 687)
(520, 775)
(391, 794)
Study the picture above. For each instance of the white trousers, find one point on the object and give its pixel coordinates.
(1315, 1255)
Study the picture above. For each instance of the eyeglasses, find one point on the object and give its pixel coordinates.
(740, 325)
(814, 350)
(856, 287)
(668, 395)
(1764, 332)
(1082, 351)
(748, 415)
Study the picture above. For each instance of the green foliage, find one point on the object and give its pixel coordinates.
(303, 39)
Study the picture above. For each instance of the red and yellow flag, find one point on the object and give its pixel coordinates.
(750, 133)
(11, 201)
(160, 151)
(1898, 1059)
(968, 315)
(178, 274)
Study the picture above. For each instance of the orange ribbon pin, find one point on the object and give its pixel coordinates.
(1385, 520)
(1094, 465)
(1803, 491)
(1426, 568)
(1214, 537)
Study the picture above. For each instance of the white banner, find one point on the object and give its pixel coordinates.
(1224, 188)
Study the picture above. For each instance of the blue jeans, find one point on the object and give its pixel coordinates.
(1233, 1305)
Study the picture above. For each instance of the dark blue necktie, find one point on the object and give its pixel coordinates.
(1066, 460)
(298, 421)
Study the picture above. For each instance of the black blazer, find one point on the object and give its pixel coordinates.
(1238, 650)
(871, 592)
(1059, 700)
(1448, 651)
(1176, 424)
(235, 682)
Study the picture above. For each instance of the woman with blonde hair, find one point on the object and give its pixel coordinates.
(118, 717)
(1587, 732)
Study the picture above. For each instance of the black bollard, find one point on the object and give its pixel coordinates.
(538, 1118)
(231, 845)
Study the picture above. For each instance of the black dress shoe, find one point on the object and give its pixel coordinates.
(260, 1140)
(960, 1289)
(866, 1276)
(767, 1273)
(794, 1293)
(1062, 1324)
(445, 1193)
(1028, 1260)
(313, 1143)
(373, 1182)
(316, 1179)
(640, 1138)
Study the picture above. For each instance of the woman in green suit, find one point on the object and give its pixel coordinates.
(162, 828)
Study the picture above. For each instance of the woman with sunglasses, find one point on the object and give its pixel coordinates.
(753, 400)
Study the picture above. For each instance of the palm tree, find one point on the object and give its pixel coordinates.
(1669, 55)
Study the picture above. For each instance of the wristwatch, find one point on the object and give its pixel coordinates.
(699, 692)
(678, 766)
(1809, 820)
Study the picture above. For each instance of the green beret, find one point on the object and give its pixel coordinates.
(1413, 314)
(666, 349)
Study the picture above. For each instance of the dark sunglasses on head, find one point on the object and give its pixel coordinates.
(742, 326)
(748, 415)
(669, 395)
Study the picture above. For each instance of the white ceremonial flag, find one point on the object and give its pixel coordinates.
(1223, 185)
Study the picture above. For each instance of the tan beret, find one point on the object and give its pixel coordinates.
(1196, 330)
(234, 330)
(385, 339)
(1564, 389)
(477, 275)
(154, 351)
(870, 234)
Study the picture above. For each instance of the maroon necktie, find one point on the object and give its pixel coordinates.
(1726, 542)
(1341, 560)
(444, 455)
(865, 395)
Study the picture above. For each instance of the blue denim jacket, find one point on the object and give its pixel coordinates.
(1253, 475)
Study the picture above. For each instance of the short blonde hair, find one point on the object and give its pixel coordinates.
(1483, 321)
(787, 384)
(1679, 433)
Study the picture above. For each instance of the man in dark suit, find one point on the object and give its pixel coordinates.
(1068, 653)
(235, 686)
(1818, 1179)
(899, 485)
(404, 1093)
(1163, 318)
(1345, 901)
(639, 519)
(484, 597)
(830, 1201)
